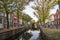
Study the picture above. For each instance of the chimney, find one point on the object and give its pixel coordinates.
(59, 3)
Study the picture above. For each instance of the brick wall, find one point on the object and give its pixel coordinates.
(57, 18)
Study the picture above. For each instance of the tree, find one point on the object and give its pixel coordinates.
(20, 6)
(25, 17)
(11, 6)
(6, 10)
(43, 7)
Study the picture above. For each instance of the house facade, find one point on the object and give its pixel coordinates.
(2, 19)
(57, 18)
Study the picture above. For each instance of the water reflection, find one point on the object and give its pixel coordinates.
(25, 36)
(30, 35)
(35, 34)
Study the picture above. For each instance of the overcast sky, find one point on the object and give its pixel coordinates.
(28, 10)
(53, 11)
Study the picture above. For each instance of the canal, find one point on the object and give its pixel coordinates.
(28, 35)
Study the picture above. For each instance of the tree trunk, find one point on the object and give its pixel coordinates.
(7, 16)
(44, 23)
(7, 20)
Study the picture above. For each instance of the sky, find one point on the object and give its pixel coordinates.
(28, 10)
(53, 11)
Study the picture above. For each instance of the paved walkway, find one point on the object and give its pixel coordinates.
(11, 28)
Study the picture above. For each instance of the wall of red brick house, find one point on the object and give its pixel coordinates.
(57, 18)
(59, 14)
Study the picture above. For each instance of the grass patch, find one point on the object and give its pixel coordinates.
(56, 34)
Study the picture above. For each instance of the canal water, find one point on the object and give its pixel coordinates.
(28, 35)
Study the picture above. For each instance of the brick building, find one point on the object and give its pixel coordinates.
(57, 18)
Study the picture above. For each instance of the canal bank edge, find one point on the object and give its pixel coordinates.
(45, 35)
